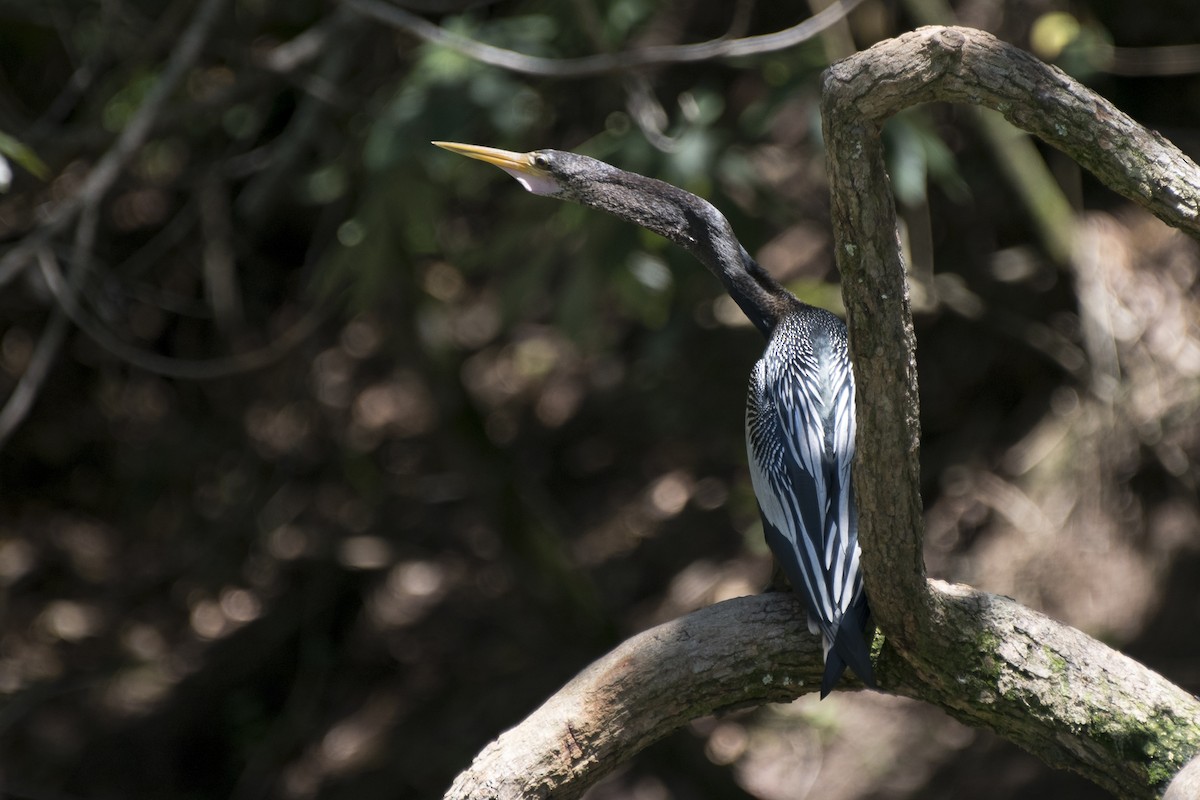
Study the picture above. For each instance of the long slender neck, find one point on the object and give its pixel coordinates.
(698, 227)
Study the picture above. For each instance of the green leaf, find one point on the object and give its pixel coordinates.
(21, 153)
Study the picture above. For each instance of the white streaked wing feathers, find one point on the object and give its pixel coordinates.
(801, 456)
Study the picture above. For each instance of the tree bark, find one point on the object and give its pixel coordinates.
(1073, 701)
(741, 652)
(1011, 685)
(985, 659)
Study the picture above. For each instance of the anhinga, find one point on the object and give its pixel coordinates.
(800, 410)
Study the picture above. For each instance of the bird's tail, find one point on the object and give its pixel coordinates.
(849, 648)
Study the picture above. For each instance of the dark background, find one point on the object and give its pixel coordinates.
(513, 436)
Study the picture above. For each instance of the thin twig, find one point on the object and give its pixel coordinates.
(219, 264)
(604, 63)
(640, 100)
(1174, 59)
(287, 59)
(164, 239)
(84, 76)
(259, 195)
(303, 49)
(740, 22)
(19, 403)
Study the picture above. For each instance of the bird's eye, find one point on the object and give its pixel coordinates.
(541, 162)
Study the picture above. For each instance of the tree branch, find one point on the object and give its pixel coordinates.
(961, 65)
(742, 652)
(21, 400)
(860, 93)
(936, 633)
(603, 63)
(1080, 704)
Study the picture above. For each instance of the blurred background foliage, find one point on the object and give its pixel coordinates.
(343, 453)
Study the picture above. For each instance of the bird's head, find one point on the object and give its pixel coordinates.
(553, 173)
(680, 216)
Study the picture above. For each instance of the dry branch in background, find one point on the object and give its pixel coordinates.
(985, 659)
(603, 63)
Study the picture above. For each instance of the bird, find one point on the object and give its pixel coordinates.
(800, 425)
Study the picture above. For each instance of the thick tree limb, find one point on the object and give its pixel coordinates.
(936, 633)
(860, 93)
(985, 659)
(1070, 700)
(742, 652)
(1076, 702)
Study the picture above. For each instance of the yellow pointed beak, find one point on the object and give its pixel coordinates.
(504, 159)
(518, 165)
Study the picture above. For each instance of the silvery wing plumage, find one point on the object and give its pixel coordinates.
(800, 436)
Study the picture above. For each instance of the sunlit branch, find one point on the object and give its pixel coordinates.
(754, 650)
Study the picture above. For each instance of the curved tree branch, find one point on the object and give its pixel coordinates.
(939, 634)
(860, 93)
(741, 652)
(603, 63)
(1025, 672)
(985, 659)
